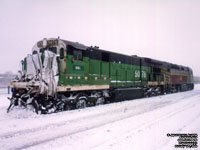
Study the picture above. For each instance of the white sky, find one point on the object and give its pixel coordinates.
(166, 30)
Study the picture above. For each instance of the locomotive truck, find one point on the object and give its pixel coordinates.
(61, 75)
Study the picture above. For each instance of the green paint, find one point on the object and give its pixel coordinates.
(99, 72)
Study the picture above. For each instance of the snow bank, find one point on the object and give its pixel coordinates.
(139, 124)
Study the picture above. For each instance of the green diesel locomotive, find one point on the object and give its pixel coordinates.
(61, 75)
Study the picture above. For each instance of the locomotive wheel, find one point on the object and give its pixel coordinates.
(81, 102)
(100, 100)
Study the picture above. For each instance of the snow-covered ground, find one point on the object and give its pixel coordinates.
(141, 124)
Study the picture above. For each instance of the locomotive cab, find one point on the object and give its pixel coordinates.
(40, 70)
(37, 81)
(39, 74)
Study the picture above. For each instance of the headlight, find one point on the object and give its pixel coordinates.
(44, 42)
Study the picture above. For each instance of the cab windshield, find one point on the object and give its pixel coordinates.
(52, 49)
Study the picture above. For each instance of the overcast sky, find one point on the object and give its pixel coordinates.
(166, 30)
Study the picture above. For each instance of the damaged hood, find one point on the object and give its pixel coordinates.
(42, 68)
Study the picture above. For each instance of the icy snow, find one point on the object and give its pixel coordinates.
(141, 124)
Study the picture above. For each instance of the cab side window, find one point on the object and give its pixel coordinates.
(78, 55)
(61, 53)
